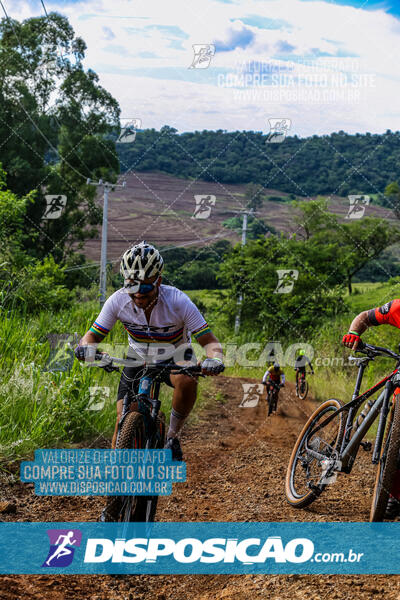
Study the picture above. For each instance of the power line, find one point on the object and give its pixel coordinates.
(4, 10)
(44, 8)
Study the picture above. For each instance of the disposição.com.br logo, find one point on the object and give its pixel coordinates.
(62, 547)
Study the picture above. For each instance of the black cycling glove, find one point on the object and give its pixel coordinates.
(212, 366)
(85, 353)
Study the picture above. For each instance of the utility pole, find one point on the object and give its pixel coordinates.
(103, 259)
(245, 214)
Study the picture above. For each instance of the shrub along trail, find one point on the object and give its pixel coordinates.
(236, 460)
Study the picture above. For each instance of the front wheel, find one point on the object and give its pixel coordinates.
(303, 388)
(146, 506)
(297, 384)
(131, 436)
(305, 478)
(387, 466)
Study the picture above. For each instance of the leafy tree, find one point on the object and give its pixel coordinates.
(313, 216)
(251, 270)
(25, 282)
(386, 266)
(318, 266)
(56, 118)
(358, 242)
(392, 191)
(254, 195)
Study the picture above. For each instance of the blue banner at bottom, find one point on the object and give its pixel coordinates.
(199, 548)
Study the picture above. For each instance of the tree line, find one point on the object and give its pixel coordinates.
(338, 163)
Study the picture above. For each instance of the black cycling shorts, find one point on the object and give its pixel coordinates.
(130, 378)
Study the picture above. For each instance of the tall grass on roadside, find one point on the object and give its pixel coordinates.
(48, 409)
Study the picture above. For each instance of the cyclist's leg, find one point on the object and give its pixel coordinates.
(183, 399)
(129, 381)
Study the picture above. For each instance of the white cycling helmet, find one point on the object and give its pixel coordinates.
(142, 261)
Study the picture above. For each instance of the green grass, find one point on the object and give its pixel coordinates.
(46, 409)
(370, 295)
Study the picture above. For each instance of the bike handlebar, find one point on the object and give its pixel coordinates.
(172, 368)
(372, 351)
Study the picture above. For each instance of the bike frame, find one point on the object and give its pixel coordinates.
(148, 405)
(147, 396)
(349, 447)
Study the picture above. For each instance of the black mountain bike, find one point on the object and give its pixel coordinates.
(332, 436)
(301, 385)
(272, 396)
(142, 426)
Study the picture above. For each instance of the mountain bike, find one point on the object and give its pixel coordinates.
(141, 426)
(301, 385)
(272, 396)
(332, 436)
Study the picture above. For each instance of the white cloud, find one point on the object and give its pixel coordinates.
(148, 36)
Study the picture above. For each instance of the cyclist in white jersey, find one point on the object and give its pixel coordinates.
(159, 320)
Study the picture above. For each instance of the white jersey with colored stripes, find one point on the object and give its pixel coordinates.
(173, 320)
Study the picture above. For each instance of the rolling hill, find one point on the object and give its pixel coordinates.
(159, 208)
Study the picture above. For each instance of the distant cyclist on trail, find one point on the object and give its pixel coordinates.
(274, 374)
(388, 314)
(300, 364)
(157, 318)
(274, 379)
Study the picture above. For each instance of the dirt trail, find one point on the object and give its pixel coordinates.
(236, 463)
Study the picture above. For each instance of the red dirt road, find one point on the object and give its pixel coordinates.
(236, 463)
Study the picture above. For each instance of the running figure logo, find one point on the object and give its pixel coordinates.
(61, 552)
(287, 277)
(357, 206)
(203, 54)
(203, 206)
(55, 205)
(129, 127)
(278, 129)
(252, 392)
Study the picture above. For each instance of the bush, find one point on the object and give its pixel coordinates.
(34, 287)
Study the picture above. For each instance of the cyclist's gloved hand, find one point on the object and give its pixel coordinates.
(212, 366)
(351, 339)
(85, 353)
(80, 352)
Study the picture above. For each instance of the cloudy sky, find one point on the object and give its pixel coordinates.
(325, 65)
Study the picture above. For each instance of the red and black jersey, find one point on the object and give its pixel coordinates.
(388, 313)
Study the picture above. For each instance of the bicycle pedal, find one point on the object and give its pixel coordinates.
(366, 446)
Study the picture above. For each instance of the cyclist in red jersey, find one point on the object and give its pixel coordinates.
(388, 314)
